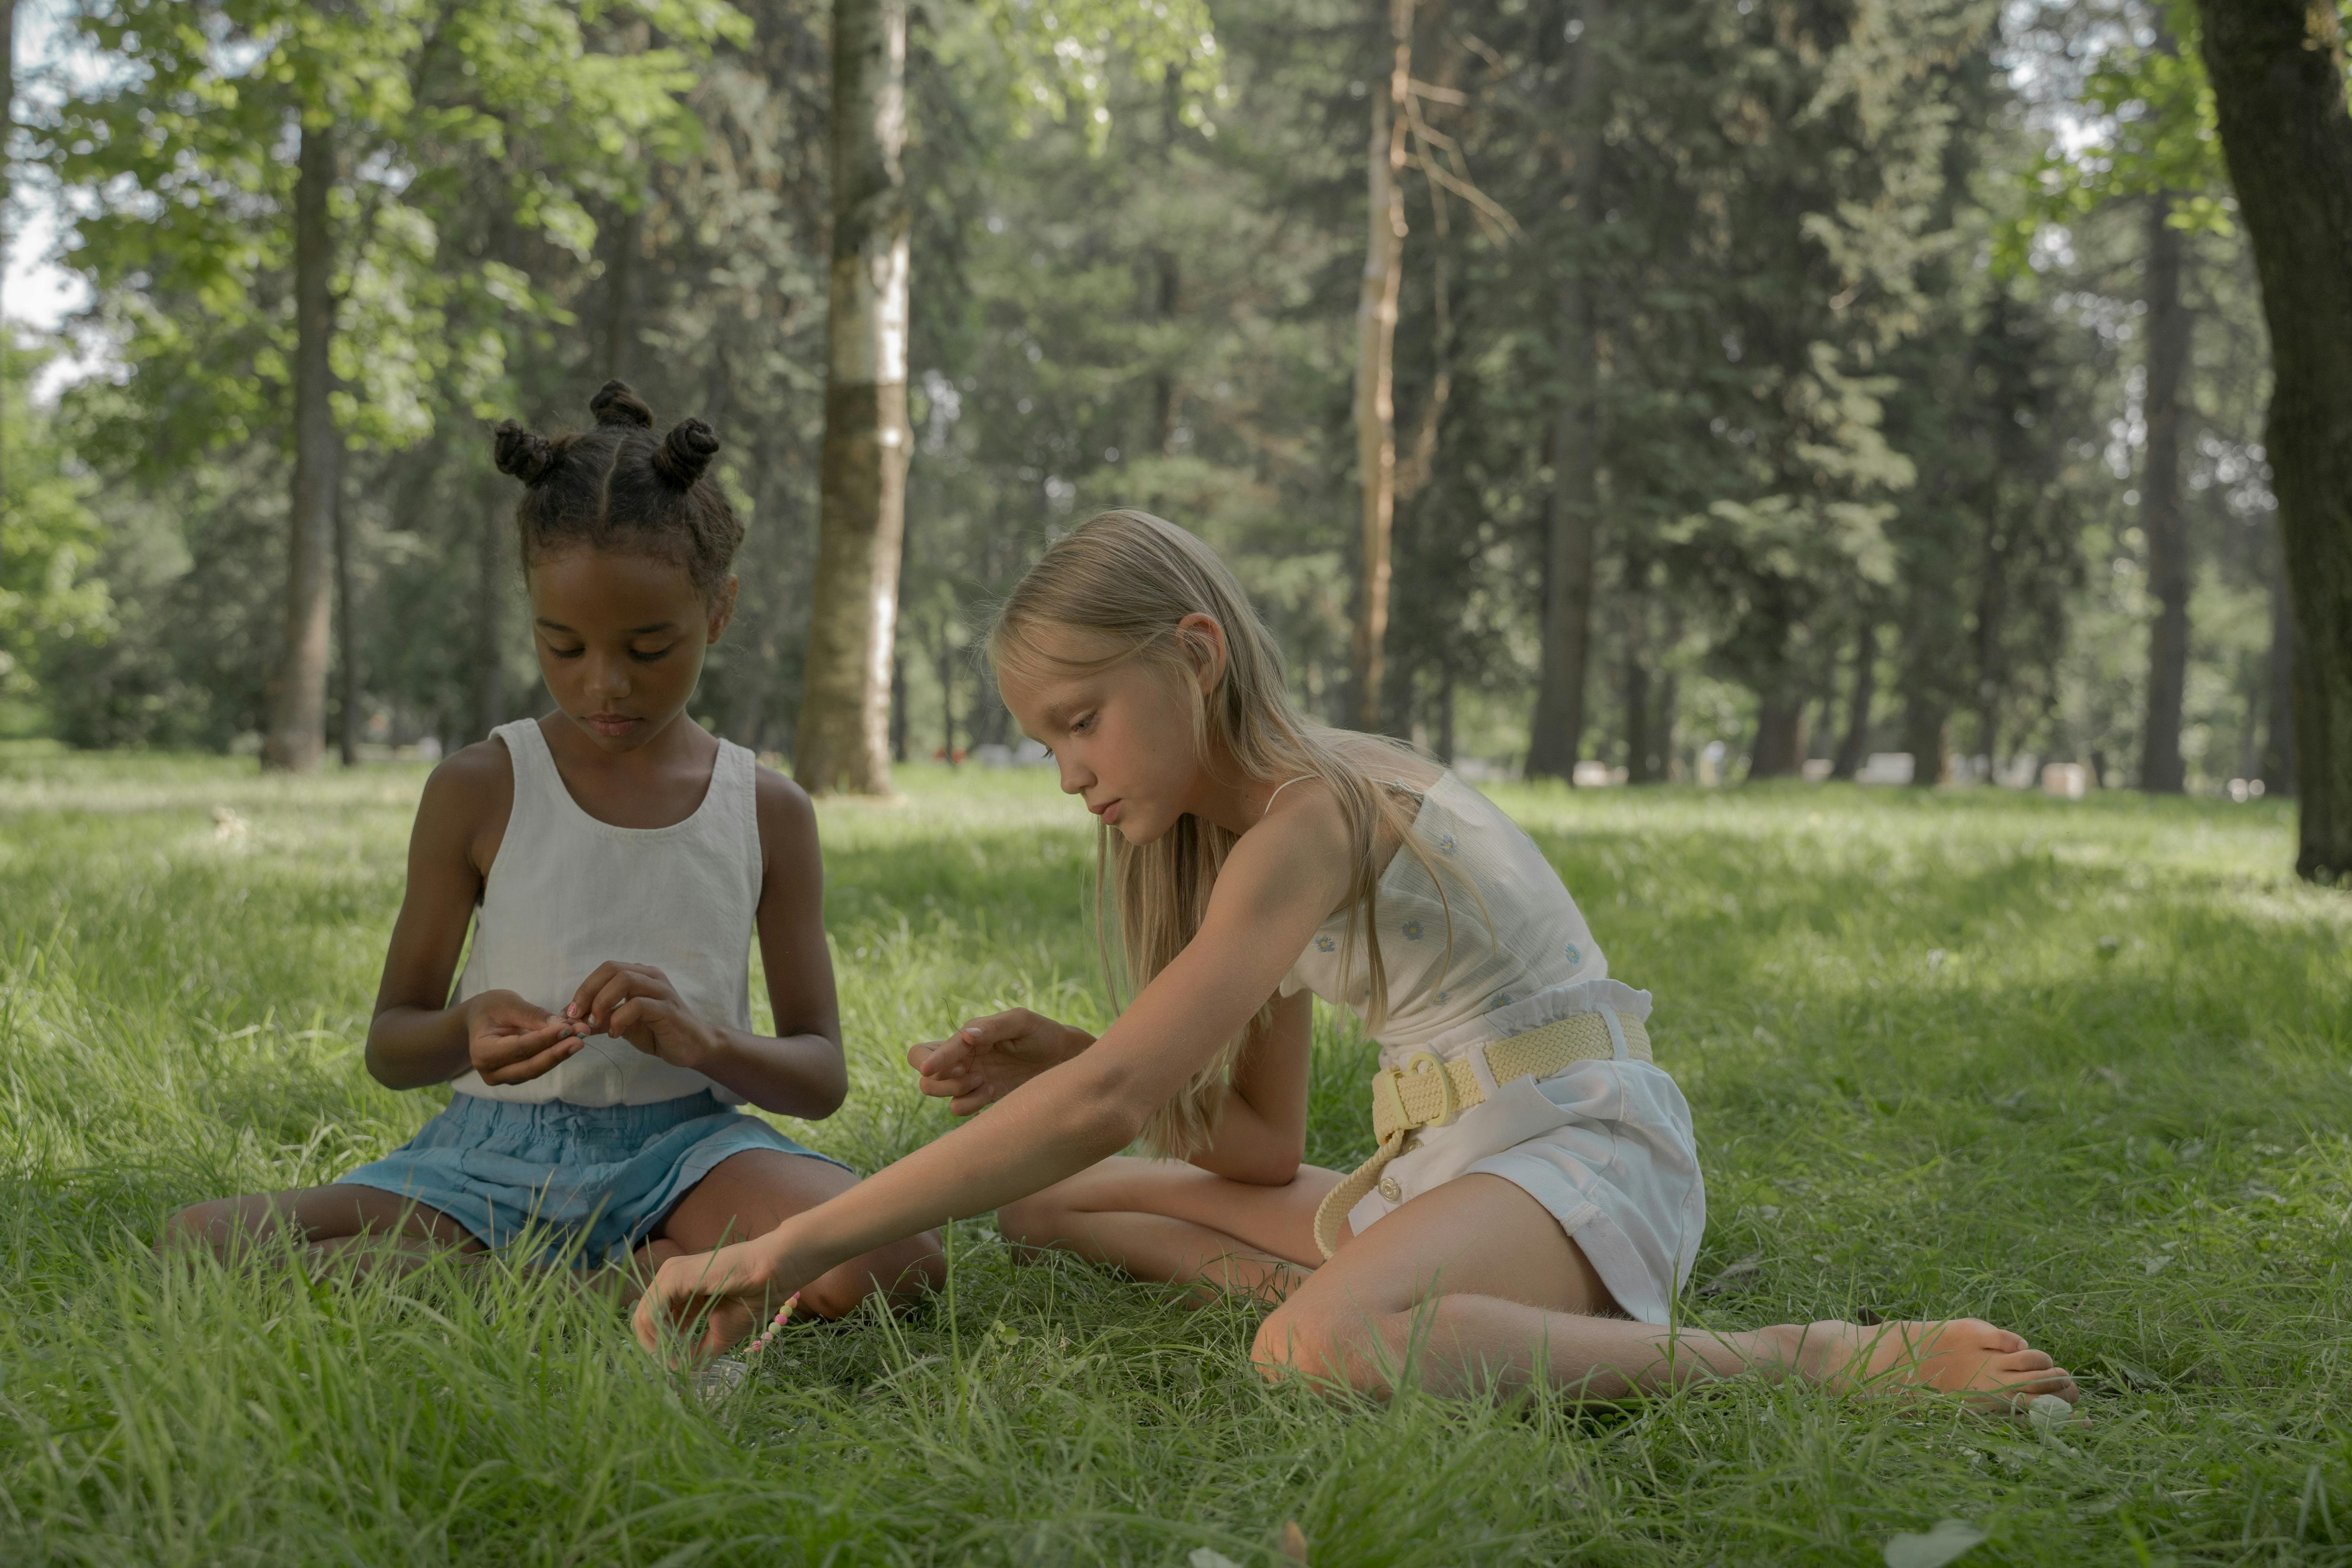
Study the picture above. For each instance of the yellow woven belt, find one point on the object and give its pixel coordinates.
(1426, 1092)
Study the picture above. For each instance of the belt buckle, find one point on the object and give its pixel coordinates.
(1449, 1104)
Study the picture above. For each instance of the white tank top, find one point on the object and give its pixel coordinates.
(1535, 962)
(567, 892)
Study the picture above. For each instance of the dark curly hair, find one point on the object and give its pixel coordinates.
(619, 488)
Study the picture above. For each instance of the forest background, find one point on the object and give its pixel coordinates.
(1773, 380)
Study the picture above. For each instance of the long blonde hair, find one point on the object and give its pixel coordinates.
(1123, 580)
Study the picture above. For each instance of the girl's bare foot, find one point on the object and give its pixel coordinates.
(1994, 1369)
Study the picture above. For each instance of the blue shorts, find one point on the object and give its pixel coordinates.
(598, 1178)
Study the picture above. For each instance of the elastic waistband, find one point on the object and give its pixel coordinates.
(618, 1120)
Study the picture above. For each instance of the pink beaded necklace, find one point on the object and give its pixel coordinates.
(770, 1331)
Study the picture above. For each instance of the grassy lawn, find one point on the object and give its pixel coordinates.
(2084, 1069)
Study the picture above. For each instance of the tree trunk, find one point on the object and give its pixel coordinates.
(2277, 69)
(1557, 732)
(898, 708)
(1661, 726)
(1641, 759)
(621, 296)
(947, 701)
(1416, 461)
(843, 739)
(296, 695)
(1167, 278)
(1855, 746)
(2278, 719)
(1376, 320)
(490, 610)
(1992, 606)
(1925, 721)
(346, 726)
(2162, 518)
(1779, 748)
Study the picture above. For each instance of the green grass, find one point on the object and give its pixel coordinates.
(2082, 1068)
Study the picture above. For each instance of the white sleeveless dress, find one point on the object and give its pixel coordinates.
(1605, 1146)
(588, 1158)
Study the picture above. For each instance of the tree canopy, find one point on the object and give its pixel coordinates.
(1859, 315)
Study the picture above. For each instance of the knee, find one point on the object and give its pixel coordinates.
(922, 1266)
(207, 1224)
(1033, 1220)
(1301, 1341)
(899, 1273)
(1039, 1223)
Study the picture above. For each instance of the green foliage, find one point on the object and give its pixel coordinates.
(2146, 128)
(1063, 53)
(2080, 1067)
(465, 129)
(1812, 358)
(2143, 125)
(49, 538)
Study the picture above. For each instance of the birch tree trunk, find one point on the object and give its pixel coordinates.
(2162, 518)
(843, 739)
(1557, 733)
(1376, 320)
(296, 690)
(2277, 68)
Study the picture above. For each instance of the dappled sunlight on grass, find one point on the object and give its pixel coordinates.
(2084, 1067)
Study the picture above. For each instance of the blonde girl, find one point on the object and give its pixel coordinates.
(1536, 1203)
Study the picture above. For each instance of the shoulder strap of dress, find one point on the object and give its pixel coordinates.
(1280, 787)
(538, 792)
(525, 749)
(737, 771)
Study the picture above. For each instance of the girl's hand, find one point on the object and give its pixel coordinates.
(990, 1058)
(509, 1040)
(717, 1299)
(636, 1002)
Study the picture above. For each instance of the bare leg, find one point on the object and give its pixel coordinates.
(1475, 1285)
(1162, 1219)
(751, 1194)
(341, 1220)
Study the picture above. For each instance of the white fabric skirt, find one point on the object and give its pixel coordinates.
(1605, 1146)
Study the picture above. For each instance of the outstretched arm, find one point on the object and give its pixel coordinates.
(1258, 1122)
(1277, 887)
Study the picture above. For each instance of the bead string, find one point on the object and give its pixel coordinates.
(770, 1331)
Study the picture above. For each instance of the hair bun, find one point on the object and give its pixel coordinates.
(525, 456)
(685, 452)
(617, 403)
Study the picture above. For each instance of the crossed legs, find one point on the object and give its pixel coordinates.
(745, 1194)
(1473, 1285)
